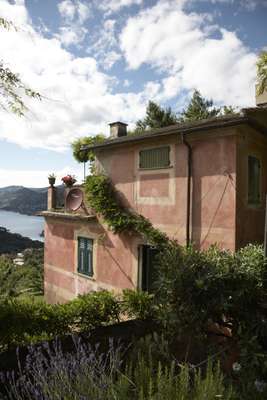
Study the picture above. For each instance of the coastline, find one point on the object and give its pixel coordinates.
(14, 242)
(28, 226)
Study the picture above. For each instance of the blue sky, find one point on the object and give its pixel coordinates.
(100, 61)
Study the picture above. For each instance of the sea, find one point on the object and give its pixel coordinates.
(26, 225)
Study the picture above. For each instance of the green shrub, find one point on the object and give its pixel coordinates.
(194, 287)
(138, 304)
(24, 321)
(94, 309)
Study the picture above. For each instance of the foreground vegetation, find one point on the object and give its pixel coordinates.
(193, 291)
(197, 294)
(24, 321)
(22, 281)
(146, 373)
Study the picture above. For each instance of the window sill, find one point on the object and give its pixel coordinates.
(90, 278)
(154, 169)
(255, 206)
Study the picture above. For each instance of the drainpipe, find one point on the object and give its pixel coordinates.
(189, 176)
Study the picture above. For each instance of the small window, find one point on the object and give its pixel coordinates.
(254, 180)
(158, 157)
(85, 256)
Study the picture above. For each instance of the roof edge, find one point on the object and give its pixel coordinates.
(177, 128)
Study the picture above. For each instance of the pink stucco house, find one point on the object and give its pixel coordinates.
(203, 182)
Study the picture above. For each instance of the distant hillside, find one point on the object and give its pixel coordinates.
(25, 200)
(13, 242)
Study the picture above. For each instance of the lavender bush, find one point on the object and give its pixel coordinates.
(88, 374)
(49, 373)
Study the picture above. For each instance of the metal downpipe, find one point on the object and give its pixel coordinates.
(189, 176)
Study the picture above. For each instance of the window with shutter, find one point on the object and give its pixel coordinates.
(254, 180)
(85, 256)
(159, 157)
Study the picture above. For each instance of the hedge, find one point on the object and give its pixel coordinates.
(25, 322)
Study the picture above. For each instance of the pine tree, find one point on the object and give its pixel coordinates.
(156, 117)
(199, 108)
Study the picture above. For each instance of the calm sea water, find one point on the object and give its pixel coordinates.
(25, 225)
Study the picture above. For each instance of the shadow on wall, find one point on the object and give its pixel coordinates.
(213, 191)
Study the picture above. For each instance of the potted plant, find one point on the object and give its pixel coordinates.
(51, 179)
(69, 180)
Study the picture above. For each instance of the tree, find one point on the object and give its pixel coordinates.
(262, 73)
(12, 89)
(199, 108)
(156, 117)
(83, 156)
(228, 110)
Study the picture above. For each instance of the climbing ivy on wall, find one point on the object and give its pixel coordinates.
(103, 198)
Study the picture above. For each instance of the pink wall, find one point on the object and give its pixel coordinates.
(214, 199)
(250, 219)
(161, 196)
(114, 257)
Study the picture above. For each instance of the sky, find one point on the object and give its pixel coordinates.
(100, 61)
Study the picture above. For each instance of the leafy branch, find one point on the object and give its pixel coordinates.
(262, 73)
(12, 89)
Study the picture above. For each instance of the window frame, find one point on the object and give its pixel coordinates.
(89, 252)
(147, 149)
(251, 202)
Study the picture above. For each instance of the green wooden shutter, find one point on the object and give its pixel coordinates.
(81, 255)
(89, 256)
(85, 256)
(158, 157)
(254, 180)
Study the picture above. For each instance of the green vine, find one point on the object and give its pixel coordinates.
(103, 198)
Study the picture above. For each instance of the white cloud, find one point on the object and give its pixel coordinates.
(16, 13)
(249, 5)
(171, 86)
(71, 35)
(74, 14)
(78, 97)
(110, 59)
(74, 9)
(179, 45)
(115, 5)
(36, 178)
(67, 9)
(105, 47)
(83, 11)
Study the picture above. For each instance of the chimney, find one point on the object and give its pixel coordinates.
(118, 129)
(51, 198)
(261, 99)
